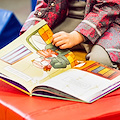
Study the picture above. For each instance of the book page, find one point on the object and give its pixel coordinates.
(27, 61)
(84, 85)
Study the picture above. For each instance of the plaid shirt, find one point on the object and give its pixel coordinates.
(101, 24)
(52, 12)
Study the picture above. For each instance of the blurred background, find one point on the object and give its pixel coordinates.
(13, 14)
(21, 8)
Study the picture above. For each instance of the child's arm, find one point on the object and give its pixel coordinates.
(98, 18)
(65, 40)
(53, 12)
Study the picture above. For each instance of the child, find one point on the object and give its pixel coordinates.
(99, 31)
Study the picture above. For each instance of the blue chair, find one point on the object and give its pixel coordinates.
(33, 4)
(9, 27)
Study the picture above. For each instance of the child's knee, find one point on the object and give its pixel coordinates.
(99, 54)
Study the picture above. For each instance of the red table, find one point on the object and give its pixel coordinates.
(15, 105)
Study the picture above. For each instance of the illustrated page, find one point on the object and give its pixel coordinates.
(83, 84)
(31, 57)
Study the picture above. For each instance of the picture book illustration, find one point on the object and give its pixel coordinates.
(49, 55)
(99, 70)
(32, 57)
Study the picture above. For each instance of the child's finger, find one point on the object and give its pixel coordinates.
(57, 39)
(59, 43)
(63, 46)
(56, 35)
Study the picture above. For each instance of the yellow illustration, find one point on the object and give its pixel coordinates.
(31, 58)
(49, 55)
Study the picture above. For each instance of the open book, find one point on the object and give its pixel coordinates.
(33, 65)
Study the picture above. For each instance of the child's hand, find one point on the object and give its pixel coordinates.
(65, 40)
